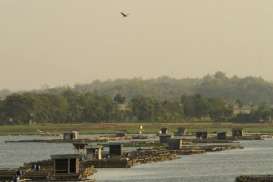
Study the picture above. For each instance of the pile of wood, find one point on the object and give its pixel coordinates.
(249, 137)
(87, 171)
(36, 175)
(212, 147)
(189, 151)
(220, 147)
(151, 155)
(110, 163)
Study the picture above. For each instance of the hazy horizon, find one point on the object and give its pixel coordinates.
(71, 85)
(66, 42)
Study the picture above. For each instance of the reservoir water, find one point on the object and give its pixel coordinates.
(256, 158)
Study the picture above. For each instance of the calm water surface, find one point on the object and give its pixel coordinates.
(256, 158)
(15, 154)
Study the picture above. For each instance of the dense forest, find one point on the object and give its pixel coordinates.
(71, 106)
(212, 98)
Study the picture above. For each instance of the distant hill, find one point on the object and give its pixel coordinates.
(248, 89)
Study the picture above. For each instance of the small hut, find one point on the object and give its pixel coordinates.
(115, 149)
(164, 139)
(163, 131)
(175, 143)
(221, 135)
(68, 164)
(71, 135)
(181, 131)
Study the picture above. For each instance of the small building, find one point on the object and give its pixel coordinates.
(237, 132)
(94, 152)
(164, 131)
(175, 143)
(115, 149)
(71, 135)
(60, 168)
(201, 135)
(181, 131)
(67, 164)
(164, 139)
(245, 109)
(221, 135)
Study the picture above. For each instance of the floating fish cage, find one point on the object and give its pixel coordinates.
(60, 168)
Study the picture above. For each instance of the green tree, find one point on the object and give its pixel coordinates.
(143, 108)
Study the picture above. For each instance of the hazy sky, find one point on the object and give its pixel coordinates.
(58, 42)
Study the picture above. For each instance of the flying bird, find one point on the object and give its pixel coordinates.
(124, 14)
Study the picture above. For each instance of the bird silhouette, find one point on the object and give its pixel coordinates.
(124, 14)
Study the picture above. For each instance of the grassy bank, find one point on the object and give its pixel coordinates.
(86, 128)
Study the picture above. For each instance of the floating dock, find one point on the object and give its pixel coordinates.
(60, 168)
(255, 178)
(130, 159)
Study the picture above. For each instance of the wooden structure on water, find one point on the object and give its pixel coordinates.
(237, 132)
(201, 135)
(117, 158)
(140, 137)
(115, 149)
(150, 155)
(60, 168)
(127, 160)
(80, 147)
(181, 131)
(65, 165)
(71, 135)
(7, 174)
(94, 152)
(163, 131)
(175, 144)
(254, 178)
(164, 138)
(121, 133)
(202, 148)
(110, 163)
(221, 135)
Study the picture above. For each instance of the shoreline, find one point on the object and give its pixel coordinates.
(50, 129)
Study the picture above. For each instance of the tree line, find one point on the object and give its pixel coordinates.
(73, 106)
